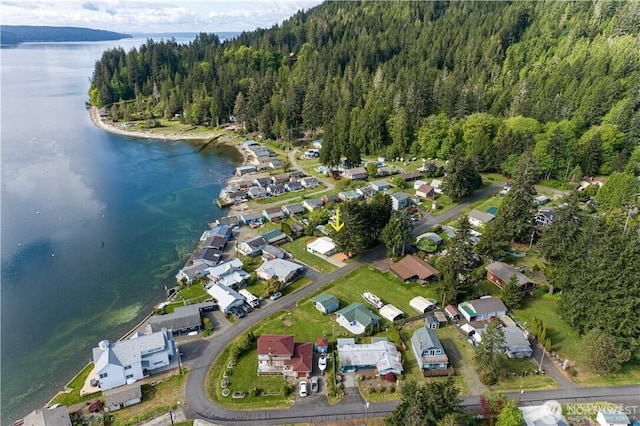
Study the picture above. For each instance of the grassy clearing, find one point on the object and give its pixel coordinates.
(518, 381)
(76, 384)
(567, 343)
(166, 395)
(298, 248)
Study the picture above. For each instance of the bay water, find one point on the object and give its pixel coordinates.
(93, 225)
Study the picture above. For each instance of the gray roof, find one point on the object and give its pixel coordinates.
(487, 305)
(515, 341)
(481, 216)
(122, 394)
(182, 318)
(381, 354)
(256, 241)
(58, 416)
(278, 268)
(614, 417)
(251, 215)
(424, 339)
(228, 220)
(128, 352)
(505, 271)
(273, 251)
(400, 196)
(296, 208)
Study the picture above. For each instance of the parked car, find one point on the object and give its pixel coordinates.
(314, 384)
(237, 312)
(246, 308)
(275, 296)
(303, 388)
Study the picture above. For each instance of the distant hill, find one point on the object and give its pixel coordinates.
(12, 35)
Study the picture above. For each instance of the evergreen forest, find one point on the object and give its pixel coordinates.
(561, 79)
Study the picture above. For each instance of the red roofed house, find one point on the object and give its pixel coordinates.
(322, 345)
(279, 354)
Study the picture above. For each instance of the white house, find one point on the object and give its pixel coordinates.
(481, 309)
(323, 246)
(126, 361)
(478, 218)
(279, 269)
(191, 272)
(379, 355)
(252, 246)
(380, 185)
(356, 173)
(226, 297)
(437, 186)
(229, 273)
(400, 200)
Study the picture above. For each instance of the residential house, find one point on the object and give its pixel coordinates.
(293, 186)
(322, 345)
(280, 179)
(295, 174)
(276, 189)
(250, 217)
(355, 173)
(357, 318)
(400, 200)
(236, 196)
(273, 214)
(432, 236)
(544, 217)
(431, 322)
(349, 195)
(411, 176)
(326, 303)
(380, 356)
(250, 143)
(51, 416)
(221, 230)
(130, 360)
(296, 229)
(226, 297)
(418, 183)
(191, 272)
(230, 221)
(257, 192)
(516, 345)
(313, 204)
(262, 182)
(429, 352)
(279, 269)
(437, 186)
(366, 191)
(217, 242)
(426, 191)
(390, 312)
(229, 273)
(123, 397)
(477, 218)
(261, 163)
(245, 170)
(309, 182)
(383, 171)
(482, 309)
(252, 246)
(412, 268)
(380, 185)
(270, 252)
(541, 199)
(538, 415)
(500, 273)
(323, 246)
(422, 305)
(208, 255)
(275, 163)
(293, 209)
(182, 320)
(275, 236)
(332, 198)
(453, 313)
(612, 417)
(278, 354)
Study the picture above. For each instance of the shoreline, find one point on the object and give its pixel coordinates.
(218, 138)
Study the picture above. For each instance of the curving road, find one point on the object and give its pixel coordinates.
(315, 408)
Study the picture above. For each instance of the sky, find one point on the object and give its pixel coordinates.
(149, 16)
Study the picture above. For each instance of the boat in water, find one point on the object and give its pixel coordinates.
(373, 300)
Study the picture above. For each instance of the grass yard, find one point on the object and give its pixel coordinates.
(167, 394)
(75, 384)
(517, 381)
(298, 248)
(567, 343)
(348, 289)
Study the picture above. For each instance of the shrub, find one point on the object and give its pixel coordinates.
(488, 379)
(96, 406)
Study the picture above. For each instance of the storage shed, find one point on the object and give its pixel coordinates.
(390, 312)
(421, 304)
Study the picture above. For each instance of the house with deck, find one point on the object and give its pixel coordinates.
(380, 356)
(273, 214)
(426, 191)
(429, 353)
(183, 319)
(293, 209)
(279, 354)
(251, 217)
(313, 204)
(129, 360)
(309, 182)
(252, 246)
(229, 273)
(355, 173)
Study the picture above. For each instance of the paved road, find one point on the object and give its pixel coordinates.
(198, 406)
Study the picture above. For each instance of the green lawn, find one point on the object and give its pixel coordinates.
(298, 248)
(76, 384)
(348, 289)
(517, 381)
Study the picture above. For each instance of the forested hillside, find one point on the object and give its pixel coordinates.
(16, 34)
(560, 79)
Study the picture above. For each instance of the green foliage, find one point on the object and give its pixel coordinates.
(604, 353)
(426, 404)
(621, 189)
(427, 245)
(461, 176)
(396, 233)
(398, 182)
(457, 265)
(489, 353)
(511, 295)
(510, 414)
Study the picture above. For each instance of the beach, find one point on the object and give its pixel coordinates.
(220, 138)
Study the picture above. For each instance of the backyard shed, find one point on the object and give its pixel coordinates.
(421, 304)
(390, 312)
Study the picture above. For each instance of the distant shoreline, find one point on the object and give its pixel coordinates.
(221, 139)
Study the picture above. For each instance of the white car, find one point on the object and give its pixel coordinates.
(303, 388)
(275, 296)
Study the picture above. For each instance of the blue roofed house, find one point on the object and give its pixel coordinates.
(429, 352)
(131, 359)
(357, 318)
(400, 200)
(326, 303)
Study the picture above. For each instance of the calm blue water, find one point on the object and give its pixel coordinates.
(66, 188)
